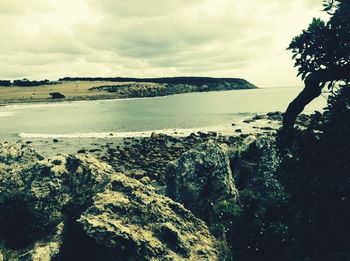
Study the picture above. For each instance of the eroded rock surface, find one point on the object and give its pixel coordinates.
(255, 163)
(130, 219)
(77, 208)
(201, 178)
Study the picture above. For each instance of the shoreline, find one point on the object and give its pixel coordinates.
(66, 101)
(51, 144)
(88, 91)
(105, 97)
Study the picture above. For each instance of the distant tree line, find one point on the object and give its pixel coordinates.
(198, 81)
(24, 83)
(5, 83)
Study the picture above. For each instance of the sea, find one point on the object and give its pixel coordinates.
(177, 114)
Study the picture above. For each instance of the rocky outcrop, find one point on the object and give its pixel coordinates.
(77, 208)
(254, 164)
(201, 178)
(130, 219)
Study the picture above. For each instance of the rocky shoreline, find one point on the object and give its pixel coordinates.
(77, 208)
(121, 199)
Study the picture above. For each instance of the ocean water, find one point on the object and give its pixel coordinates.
(139, 117)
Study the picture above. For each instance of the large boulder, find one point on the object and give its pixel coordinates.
(201, 179)
(133, 222)
(41, 201)
(36, 195)
(255, 163)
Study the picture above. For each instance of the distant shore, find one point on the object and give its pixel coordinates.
(81, 90)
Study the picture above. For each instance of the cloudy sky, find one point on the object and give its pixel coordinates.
(150, 38)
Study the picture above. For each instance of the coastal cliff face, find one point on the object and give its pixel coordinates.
(77, 208)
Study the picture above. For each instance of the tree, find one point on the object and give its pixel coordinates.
(5, 83)
(322, 55)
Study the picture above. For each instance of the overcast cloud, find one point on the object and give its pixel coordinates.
(150, 38)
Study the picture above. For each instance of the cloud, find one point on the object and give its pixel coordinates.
(231, 38)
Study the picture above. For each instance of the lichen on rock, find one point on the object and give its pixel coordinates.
(201, 178)
(131, 219)
(77, 208)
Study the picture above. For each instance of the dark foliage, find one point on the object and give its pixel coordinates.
(307, 216)
(5, 83)
(316, 173)
(28, 83)
(57, 95)
(322, 55)
(324, 45)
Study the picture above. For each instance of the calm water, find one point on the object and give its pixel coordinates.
(194, 110)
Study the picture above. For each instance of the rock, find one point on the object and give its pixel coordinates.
(95, 150)
(145, 180)
(57, 161)
(49, 250)
(55, 140)
(202, 134)
(137, 174)
(41, 201)
(57, 95)
(255, 163)
(275, 116)
(259, 117)
(132, 222)
(201, 178)
(213, 133)
(267, 128)
(17, 154)
(238, 130)
(178, 146)
(82, 151)
(33, 194)
(155, 135)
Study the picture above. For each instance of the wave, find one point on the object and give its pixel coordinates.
(222, 129)
(225, 130)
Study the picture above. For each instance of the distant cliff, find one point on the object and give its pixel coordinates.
(199, 81)
(151, 87)
(88, 88)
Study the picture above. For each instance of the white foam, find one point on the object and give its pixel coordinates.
(225, 130)
(222, 129)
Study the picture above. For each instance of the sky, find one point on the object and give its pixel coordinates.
(49, 39)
